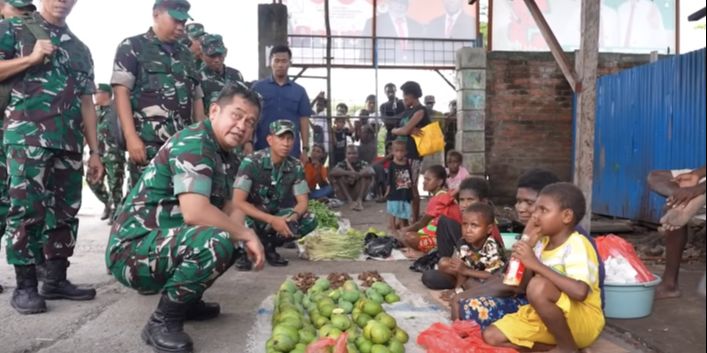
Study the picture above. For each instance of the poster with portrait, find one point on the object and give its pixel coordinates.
(626, 26)
(406, 29)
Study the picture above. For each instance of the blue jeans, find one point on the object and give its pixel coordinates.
(321, 193)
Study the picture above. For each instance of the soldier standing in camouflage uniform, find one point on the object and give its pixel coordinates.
(195, 32)
(214, 74)
(50, 105)
(176, 231)
(156, 85)
(112, 156)
(267, 182)
(8, 9)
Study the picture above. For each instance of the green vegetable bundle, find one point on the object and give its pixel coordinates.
(329, 244)
(325, 217)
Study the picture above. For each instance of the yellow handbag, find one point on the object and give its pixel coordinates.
(430, 141)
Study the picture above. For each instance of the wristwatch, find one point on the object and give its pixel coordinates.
(94, 152)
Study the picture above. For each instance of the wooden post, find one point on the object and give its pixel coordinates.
(554, 45)
(586, 66)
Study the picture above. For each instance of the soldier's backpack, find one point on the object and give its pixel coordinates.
(31, 24)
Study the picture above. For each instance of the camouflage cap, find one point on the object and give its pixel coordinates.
(195, 30)
(279, 127)
(21, 3)
(178, 9)
(212, 44)
(104, 87)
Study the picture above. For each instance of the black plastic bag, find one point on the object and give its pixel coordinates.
(426, 262)
(380, 247)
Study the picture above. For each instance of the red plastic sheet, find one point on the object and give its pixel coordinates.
(612, 245)
(323, 345)
(460, 337)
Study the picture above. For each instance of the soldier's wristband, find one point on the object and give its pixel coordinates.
(94, 152)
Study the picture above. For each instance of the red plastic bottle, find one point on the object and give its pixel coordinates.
(516, 269)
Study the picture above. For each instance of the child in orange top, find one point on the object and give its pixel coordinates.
(317, 175)
(565, 298)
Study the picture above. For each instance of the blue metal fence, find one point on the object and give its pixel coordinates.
(649, 117)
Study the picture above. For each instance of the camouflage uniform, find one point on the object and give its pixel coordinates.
(150, 247)
(113, 159)
(43, 143)
(194, 33)
(213, 82)
(163, 82)
(272, 190)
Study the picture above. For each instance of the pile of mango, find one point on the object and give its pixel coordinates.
(300, 319)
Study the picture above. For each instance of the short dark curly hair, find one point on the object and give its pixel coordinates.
(537, 179)
(411, 88)
(569, 197)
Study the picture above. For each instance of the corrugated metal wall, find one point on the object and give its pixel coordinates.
(649, 117)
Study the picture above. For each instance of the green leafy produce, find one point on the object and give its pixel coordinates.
(328, 244)
(325, 217)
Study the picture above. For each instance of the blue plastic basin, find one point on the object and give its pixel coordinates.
(629, 301)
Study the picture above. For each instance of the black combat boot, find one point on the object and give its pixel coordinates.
(242, 263)
(201, 311)
(165, 328)
(25, 298)
(107, 210)
(272, 257)
(56, 286)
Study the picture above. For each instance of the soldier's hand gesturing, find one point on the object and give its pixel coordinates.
(136, 150)
(95, 169)
(42, 49)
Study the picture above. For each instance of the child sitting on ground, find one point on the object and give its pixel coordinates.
(422, 235)
(317, 175)
(399, 190)
(565, 299)
(472, 191)
(341, 132)
(481, 256)
(456, 172)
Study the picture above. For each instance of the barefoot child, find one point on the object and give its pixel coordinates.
(399, 189)
(565, 299)
(484, 256)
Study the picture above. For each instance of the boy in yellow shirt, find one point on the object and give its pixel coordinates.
(565, 299)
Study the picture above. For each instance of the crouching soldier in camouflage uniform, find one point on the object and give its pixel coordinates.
(51, 102)
(266, 185)
(112, 156)
(214, 73)
(156, 85)
(176, 231)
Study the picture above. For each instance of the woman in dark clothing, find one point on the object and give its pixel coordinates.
(415, 117)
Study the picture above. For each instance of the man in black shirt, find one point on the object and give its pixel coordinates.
(391, 110)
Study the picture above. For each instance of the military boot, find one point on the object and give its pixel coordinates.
(25, 298)
(56, 286)
(201, 311)
(107, 210)
(272, 257)
(164, 330)
(243, 263)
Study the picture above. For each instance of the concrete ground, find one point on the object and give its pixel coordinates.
(111, 323)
